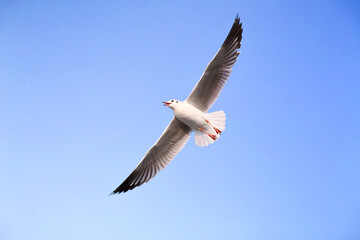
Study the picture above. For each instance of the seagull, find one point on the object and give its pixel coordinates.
(191, 114)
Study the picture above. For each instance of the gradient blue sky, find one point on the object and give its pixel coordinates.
(81, 86)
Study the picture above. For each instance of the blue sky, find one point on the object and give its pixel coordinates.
(81, 86)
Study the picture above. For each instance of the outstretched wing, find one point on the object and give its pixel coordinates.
(217, 72)
(158, 156)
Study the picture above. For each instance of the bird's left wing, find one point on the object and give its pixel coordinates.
(158, 156)
(218, 70)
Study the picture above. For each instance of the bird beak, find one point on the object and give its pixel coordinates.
(166, 103)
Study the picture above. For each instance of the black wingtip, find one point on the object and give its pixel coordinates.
(116, 191)
(237, 18)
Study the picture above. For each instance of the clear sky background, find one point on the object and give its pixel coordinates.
(81, 86)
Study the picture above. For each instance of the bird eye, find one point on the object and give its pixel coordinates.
(177, 102)
(172, 100)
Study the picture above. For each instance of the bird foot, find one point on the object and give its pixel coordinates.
(216, 129)
(212, 136)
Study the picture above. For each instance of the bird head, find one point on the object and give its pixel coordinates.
(171, 103)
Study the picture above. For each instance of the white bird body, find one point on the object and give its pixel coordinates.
(207, 126)
(191, 114)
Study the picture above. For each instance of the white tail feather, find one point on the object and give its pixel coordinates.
(216, 119)
(202, 139)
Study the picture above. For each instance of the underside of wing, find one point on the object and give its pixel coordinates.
(218, 70)
(158, 156)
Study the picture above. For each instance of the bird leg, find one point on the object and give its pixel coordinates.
(213, 137)
(216, 130)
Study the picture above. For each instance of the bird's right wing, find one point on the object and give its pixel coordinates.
(158, 156)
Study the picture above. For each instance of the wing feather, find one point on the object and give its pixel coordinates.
(158, 156)
(217, 72)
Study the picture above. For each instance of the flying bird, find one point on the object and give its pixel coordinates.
(191, 114)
